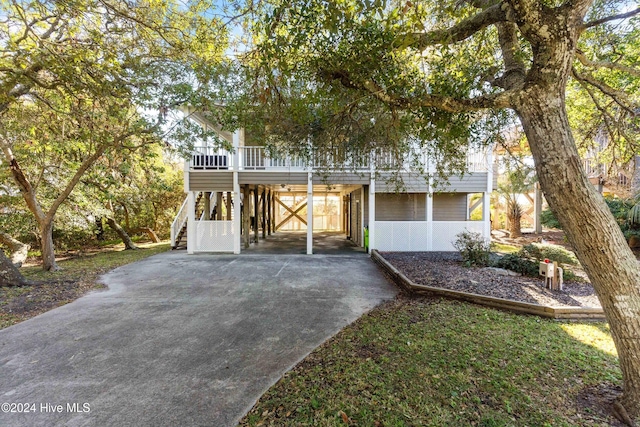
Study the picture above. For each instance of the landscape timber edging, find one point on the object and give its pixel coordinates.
(560, 313)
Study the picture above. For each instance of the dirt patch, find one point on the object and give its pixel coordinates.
(597, 403)
(445, 270)
(21, 303)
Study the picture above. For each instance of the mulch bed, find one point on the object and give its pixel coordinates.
(445, 270)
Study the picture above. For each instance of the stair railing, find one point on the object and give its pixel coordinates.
(178, 222)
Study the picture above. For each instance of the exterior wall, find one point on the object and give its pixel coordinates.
(274, 178)
(203, 180)
(450, 207)
(475, 182)
(210, 181)
(356, 210)
(342, 178)
(411, 183)
(401, 207)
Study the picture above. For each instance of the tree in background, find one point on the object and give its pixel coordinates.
(139, 189)
(369, 74)
(81, 72)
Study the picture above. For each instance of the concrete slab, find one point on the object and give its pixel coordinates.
(180, 340)
(295, 242)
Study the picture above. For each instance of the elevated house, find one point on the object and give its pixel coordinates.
(237, 197)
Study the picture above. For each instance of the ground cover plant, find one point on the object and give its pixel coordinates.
(433, 362)
(78, 275)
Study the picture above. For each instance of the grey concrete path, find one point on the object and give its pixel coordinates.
(180, 340)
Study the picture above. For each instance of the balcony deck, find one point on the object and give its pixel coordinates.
(258, 159)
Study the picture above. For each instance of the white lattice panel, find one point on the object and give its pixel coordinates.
(408, 236)
(444, 233)
(214, 236)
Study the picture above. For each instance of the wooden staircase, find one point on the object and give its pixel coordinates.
(181, 235)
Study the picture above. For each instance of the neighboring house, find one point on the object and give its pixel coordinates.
(285, 194)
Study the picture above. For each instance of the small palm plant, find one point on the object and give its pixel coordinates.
(633, 216)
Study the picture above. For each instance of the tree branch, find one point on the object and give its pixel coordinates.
(447, 103)
(620, 97)
(611, 18)
(604, 64)
(458, 32)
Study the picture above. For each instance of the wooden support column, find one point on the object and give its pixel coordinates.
(264, 214)
(429, 216)
(228, 205)
(269, 212)
(207, 206)
(537, 210)
(246, 216)
(237, 226)
(191, 221)
(256, 213)
(310, 214)
(273, 213)
(218, 206)
(372, 214)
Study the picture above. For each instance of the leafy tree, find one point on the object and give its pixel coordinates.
(453, 72)
(83, 71)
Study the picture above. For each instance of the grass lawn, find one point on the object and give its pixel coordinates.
(78, 275)
(504, 248)
(432, 362)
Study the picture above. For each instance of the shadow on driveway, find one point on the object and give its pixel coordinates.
(181, 340)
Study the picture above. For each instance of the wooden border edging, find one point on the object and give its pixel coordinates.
(567, 313)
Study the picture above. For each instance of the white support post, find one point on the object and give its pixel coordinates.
(236, 149)
(310, 214)
(537, 209)
(191, 221)
(186, 176)
(430, 215)
(486, 198)
(372, 213)
(237, 206)
(361, 231)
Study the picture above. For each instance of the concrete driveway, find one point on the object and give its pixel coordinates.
(180, 340)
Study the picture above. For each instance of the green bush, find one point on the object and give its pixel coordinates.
(540, 252)
(473, 248)
(549, 220)
(518, 263)
(526, 261)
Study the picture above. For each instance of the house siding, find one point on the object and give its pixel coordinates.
(450, 207)
(341, 178)
(471, 183)
(411, 183)
(210, 181)
(401, 207)
(273, 178)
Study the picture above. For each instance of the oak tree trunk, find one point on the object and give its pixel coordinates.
(128, 243)
(19, 250)
(46, 245)
(9, 274)
(590, 227)
(149, 231)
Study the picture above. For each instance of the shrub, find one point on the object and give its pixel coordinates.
(518, 263)
(549, 220)
(473, 248)
(526, 261)
(553, 252)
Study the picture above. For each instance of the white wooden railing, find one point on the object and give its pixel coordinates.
(257, 158)
(178, 222)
